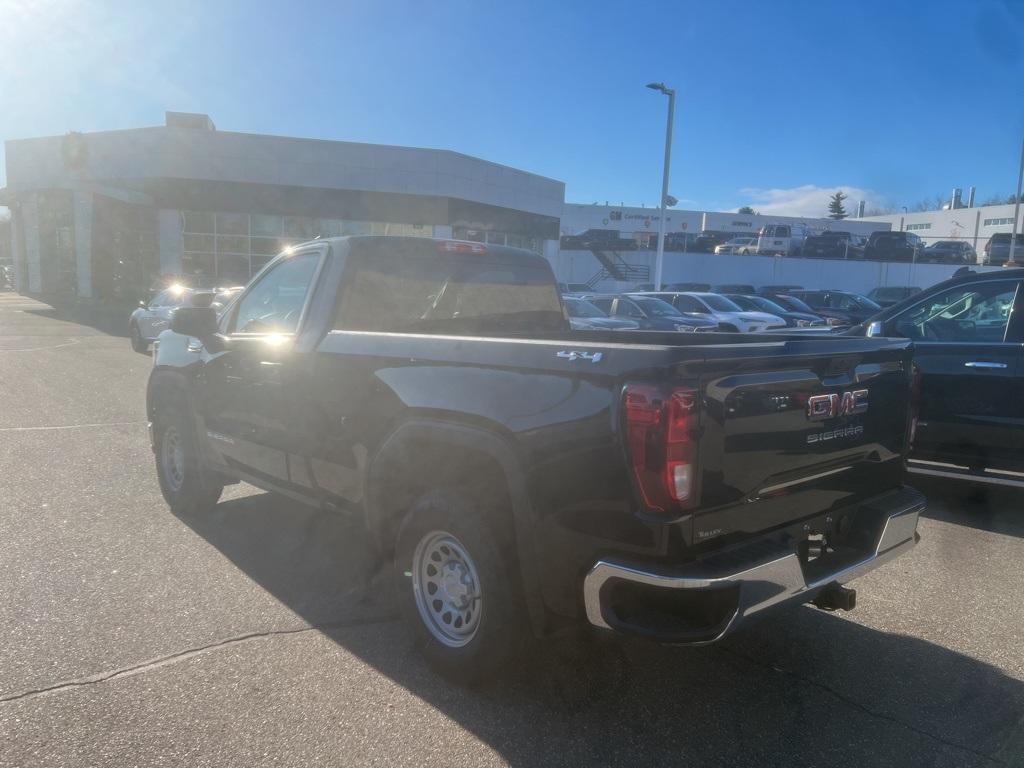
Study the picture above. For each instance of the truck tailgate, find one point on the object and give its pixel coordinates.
(798, 431)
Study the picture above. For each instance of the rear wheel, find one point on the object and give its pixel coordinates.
(456, 587)
(184, 485)
(139, 344)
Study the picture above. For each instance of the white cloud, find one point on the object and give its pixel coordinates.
(808, 200)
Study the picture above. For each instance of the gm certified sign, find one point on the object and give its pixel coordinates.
(821, 407)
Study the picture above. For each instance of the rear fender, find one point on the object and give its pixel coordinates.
(393, 455)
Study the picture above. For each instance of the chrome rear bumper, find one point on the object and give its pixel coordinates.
(751, 589)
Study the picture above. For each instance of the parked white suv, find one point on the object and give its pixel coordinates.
(151, 319)
(729, 315)
(741, 245)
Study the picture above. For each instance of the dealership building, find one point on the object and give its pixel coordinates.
(972, 224)
(104, 215)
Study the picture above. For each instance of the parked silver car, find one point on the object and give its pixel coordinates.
(152, 318)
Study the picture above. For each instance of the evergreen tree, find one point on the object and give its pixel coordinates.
(835, 206)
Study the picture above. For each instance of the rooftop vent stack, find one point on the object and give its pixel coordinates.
(860, 210)
(955, 203)
(194, 120)
(970, 197)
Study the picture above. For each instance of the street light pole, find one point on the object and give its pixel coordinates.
(659, 260)
(1016, 212)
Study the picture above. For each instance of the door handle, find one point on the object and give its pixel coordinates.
(984, 364)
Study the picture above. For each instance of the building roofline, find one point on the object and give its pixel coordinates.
(280, 137)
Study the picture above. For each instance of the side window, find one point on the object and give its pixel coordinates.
(605, 305)
(629, 309)
(975, 313)
(814, 299)
(842, 301)
(689, 304)
(274, 304)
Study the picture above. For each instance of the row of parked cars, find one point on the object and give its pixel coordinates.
(833, 244)
(734, 307)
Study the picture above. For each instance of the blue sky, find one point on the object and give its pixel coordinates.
(778, 101)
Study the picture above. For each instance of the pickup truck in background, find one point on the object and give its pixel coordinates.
(519, 476)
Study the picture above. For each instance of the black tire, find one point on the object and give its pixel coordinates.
(138, 343)
(728, 328)
(501, 630)
(185, 487)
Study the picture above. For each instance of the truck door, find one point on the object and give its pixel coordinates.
(251, 385)
(969, 354)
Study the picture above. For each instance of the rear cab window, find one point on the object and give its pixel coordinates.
(416, 287)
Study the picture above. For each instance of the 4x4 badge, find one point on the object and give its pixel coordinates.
(594, 357)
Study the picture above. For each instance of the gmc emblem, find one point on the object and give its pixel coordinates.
(821, 407)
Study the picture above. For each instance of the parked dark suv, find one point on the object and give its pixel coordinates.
(833, 245)
(967, 334)
(843, 307)
(949, 252)
(997, 249)
(893, 246)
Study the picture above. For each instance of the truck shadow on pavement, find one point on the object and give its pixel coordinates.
(992, 508)
(801, 688)
(110, 320)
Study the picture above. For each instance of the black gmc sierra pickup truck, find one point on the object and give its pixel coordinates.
(520, 475)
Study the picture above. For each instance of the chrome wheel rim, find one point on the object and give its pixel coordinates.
(446, 584)
(172, 458)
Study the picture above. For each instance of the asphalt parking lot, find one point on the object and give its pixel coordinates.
(265, 634)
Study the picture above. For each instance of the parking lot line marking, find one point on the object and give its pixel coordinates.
(72, 426)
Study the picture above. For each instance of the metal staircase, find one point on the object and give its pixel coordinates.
(614, 267)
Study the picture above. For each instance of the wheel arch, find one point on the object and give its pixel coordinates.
(428, 453)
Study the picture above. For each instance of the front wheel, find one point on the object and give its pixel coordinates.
(139, 344)
(185, 487)
(456, 587)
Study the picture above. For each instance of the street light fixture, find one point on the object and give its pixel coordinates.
(1015, 236)
(660, 258)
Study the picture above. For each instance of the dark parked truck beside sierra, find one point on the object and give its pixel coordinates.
(521, 476)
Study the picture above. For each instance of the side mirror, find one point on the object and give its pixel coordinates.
(143, 304)
(874, 328)
(200, 322)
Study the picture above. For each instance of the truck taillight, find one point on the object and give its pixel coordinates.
(458, 246)
(660, 432)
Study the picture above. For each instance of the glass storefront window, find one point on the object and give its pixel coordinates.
(232, 269)
(232, 224)
(298, 226)
(356, 227)
(199, 243)
(263, 224)
(496, 238)
(200, 264)
(329, 227)
(217, 244)
(231, 244)
(197, 221)
(267, 246)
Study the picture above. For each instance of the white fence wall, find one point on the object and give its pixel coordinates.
(856, 276)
